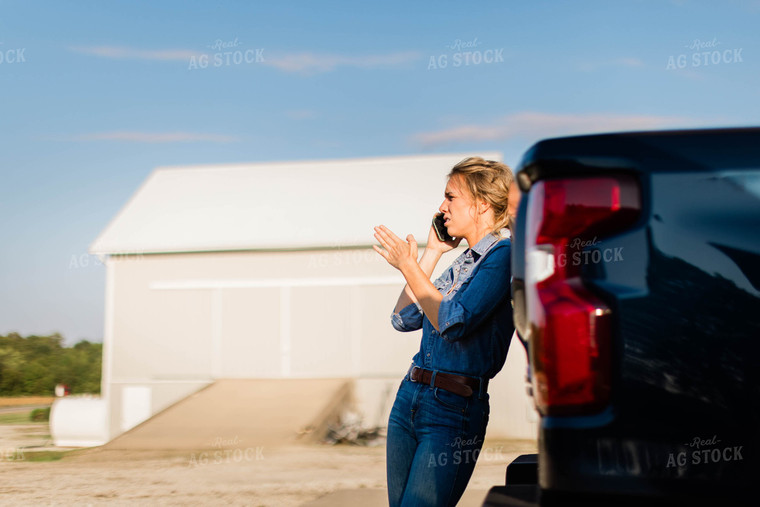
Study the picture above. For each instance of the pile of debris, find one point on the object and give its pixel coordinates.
(349, 430)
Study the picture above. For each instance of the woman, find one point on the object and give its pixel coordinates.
(439, 418)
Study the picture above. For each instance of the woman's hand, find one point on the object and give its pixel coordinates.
(402, 255)
(441, 246)
(396, 251)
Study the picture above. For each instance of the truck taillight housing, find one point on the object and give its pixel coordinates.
(570, 327)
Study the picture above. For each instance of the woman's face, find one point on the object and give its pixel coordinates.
(458, 208)
(514, 199)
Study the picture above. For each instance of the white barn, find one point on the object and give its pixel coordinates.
(266, 270)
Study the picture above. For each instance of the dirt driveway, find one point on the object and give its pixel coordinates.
(245, 466)
(237, 473)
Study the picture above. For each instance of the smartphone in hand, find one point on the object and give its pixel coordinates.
(440, 229)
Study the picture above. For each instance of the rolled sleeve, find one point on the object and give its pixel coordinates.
(408, 319)
(478, 297)
(450, 315)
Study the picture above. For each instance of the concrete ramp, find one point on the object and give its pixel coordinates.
(243, 414)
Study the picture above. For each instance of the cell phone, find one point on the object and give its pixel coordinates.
(440, 229)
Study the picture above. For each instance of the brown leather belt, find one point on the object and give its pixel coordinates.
(457, 384)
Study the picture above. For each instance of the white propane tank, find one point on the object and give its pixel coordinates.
(79, 422)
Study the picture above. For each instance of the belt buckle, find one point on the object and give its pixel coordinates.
(411, 373)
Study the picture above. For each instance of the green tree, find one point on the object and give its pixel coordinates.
(35, 364)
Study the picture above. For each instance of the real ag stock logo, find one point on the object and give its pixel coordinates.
(579, 252)
(11, 56)
(704, 451)
(226, 450)
(226, 53)
(465, 54)
(704, 53)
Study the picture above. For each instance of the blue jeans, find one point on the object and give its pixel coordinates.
(434, 439)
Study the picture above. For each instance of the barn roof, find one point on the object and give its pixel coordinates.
(279, 205)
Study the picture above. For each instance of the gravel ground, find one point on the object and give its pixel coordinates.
(232, 474)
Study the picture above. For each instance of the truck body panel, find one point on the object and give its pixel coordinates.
(682, 285)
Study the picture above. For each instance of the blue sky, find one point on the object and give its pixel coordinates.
(95, 95)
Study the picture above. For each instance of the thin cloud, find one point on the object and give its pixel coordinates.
(157, 137)
(314, 63)
(305, 63)
(532, 125)
(748, 5)
(628, 62)
(688, 74)
(301, 114)
(123, 53)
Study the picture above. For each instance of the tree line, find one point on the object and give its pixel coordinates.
(34, 365)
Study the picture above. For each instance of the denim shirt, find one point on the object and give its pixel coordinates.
(475, 316)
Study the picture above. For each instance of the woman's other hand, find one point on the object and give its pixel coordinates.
(394, 249)
(441, 246)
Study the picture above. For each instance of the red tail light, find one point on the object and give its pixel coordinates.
(571, 327)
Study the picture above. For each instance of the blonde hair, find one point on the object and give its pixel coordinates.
(489, 181)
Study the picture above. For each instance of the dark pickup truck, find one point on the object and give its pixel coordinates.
(636, 264)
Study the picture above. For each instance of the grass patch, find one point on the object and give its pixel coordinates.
(30, 416)
(16, 418)
(41, 436)
(40, 414)
(44, 456)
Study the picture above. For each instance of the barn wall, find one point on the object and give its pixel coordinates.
(180, 321)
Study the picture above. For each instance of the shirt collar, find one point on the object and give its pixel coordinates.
(482, 246)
